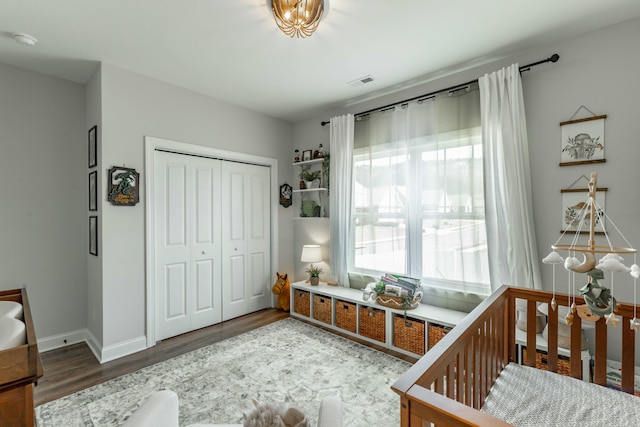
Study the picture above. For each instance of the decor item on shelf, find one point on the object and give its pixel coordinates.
(308, 208)
(319, 153)
(306, 155)
(285, 195)
(124, 184)
(298, 18)
(326, 171)
(296, 156)
(282, 289)
(311, 254)
(400, 292)
(600, 300)
(310, 177)
(314, 274)
(583, 140)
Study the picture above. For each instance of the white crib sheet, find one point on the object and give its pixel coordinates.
(529, 397)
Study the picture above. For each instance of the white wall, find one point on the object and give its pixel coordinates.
(43, 198)
(134, 106)
(93, 110)
(599, 70)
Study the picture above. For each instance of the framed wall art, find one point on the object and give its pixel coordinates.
(124, 186)
(306, 155)
(93, 235)
(285, 195)
(93, 191)
(93, 147)
(583, 141)
(576, 216)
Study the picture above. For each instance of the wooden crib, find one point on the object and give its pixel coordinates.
(450, 383)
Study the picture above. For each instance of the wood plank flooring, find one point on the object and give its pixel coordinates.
(74, 368)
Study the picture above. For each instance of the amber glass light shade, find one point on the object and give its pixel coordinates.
(299, 18)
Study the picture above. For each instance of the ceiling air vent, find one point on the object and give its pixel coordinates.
(361, 81)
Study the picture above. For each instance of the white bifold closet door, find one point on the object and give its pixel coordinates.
(205, 253)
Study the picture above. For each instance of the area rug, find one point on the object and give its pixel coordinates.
(287, 361)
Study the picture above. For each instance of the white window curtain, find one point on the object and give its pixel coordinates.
(509, 215)
(418, 193)
(341, 151)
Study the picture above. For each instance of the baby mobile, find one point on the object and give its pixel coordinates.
(599, 300)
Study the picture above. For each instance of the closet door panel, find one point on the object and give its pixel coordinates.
(172, 270)
(206, 301)
(245, 278)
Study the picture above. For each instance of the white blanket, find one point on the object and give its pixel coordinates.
(529, 397)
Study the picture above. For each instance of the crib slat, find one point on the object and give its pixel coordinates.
(531, 333)
(628, 347)
(552, 339)
(468, 372)
(460, 376)
(576, 347)
(600, 365)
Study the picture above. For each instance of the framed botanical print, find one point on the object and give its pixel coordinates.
(93, 191)
(93, 147)
(583, 141)
(576, 214)
(93, 235)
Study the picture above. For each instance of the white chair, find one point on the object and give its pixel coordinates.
(161, 410)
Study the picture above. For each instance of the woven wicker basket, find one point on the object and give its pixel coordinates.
(322, 308)
(372, 323)
(301, 303)
(408, 334)
(393, 301)
(346, 315)
(564, 363)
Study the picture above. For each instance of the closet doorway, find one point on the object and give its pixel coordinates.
(211, 238)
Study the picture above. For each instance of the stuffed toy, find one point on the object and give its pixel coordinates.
(274, 415)
(281, 288)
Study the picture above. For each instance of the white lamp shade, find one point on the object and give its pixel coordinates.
(311, 253)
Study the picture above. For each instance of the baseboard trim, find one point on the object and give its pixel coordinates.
(94, 345)
(62, 340)
(122, 349)
(102, 354)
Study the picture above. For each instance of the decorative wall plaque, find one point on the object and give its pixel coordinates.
(124, 186)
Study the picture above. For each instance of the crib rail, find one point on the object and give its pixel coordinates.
(450, 383)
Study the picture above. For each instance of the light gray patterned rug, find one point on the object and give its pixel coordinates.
(287, 361)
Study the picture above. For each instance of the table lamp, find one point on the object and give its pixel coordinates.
(311, 254)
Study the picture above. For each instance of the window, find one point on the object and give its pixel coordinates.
(418, 195)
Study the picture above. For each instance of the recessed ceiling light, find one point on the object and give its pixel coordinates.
(25, 39)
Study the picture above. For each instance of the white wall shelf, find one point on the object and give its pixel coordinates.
(316, 195)
(429, 314)
(310, 190)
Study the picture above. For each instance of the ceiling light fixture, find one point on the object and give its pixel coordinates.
(298, 18)
(25, 39)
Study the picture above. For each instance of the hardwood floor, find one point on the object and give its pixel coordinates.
(75, 368)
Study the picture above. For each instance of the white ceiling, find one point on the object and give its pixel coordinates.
(232, 50)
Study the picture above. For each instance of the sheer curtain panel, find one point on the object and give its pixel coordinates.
(341, 150)
(418, 193)
(509, 215)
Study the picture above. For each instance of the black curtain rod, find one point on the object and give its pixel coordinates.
(552, 58)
